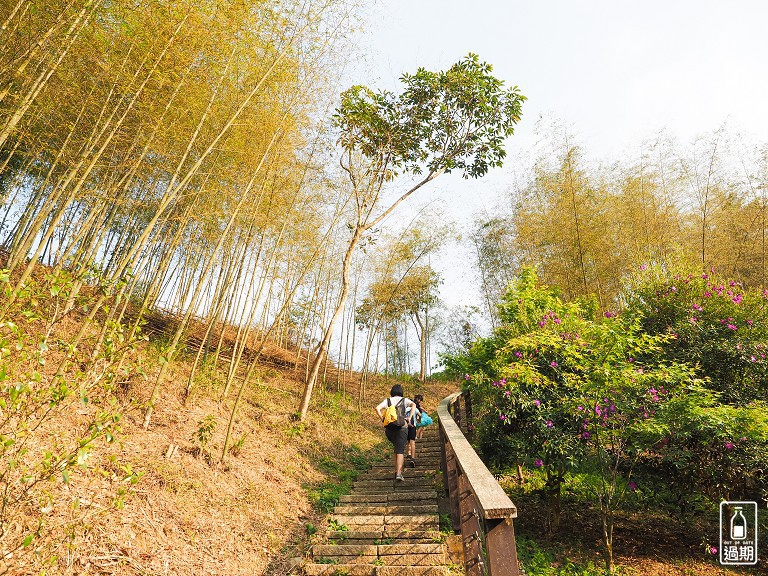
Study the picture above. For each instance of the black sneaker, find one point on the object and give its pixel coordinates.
(411, 462)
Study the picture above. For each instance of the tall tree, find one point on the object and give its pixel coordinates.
(456, 119)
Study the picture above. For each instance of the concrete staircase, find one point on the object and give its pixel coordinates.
(387, 528)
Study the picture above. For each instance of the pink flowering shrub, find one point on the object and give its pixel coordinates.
(718, 326)
(566, 389)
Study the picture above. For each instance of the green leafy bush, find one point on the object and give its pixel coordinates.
(564, 389)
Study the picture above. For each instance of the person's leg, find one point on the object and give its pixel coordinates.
(400, 440)
(412, 441)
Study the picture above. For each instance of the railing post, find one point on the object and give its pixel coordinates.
(468, 415)
(501, 548)
(452, 478)
(457, 412)
(471, 535)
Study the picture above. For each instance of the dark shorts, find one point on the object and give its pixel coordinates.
(398, 437)
(411, 433)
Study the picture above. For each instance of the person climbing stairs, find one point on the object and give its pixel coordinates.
(387, 527)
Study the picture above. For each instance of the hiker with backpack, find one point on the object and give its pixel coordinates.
(395, 412)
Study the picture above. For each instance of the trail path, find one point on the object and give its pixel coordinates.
(392, 528)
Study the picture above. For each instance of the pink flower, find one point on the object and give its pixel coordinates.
(632, 485)
(732, 327)
(538, 462)
(579, 408)
(503, 417)
(712, 550)
(585, 435)
(519, 354)
(643, 267)
(729, 445)
(549, 424)
(705, 276)
(697, 307)
(507, 394)
(750, 322)
(537, 403)
(466, 376)
(737, 299)
(553, 364)
(707, 294)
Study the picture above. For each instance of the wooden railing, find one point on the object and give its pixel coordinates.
(480, 510)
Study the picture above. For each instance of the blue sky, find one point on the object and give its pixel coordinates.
(615, 72)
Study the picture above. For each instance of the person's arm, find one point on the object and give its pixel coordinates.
(412, 414)
(379, 410)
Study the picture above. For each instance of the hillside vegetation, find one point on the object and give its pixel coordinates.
(87, 490)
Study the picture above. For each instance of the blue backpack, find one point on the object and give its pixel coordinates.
(425, 420)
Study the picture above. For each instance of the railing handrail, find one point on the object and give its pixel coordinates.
(491, 498)
(480, 509)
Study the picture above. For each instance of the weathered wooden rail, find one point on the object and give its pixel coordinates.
(480, 510)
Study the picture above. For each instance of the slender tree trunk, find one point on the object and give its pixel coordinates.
(323, 347)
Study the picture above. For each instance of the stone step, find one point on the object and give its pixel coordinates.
(385, 535)
(362, 534)
(321, 550)
(420, 462)
(366, 541)
(389, 560)
(382, 519)
(395, 534)
(390, 472)
(407, 482)
(387, 475)
(385, 509)
(375, 549)
(371, 570)
(401, 489)
(388, 497)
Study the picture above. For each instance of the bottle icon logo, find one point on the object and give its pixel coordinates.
(738, 525)
(738, 533)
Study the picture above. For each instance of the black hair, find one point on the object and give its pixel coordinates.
(397, 390)
(418, 398)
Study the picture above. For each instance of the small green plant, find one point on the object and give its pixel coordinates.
(379, 562)
(337, 527)
(310, 528)
(295, 430)
(237, 446)
(383, 541)
(204, 433)
(324, 560)
(446, 524)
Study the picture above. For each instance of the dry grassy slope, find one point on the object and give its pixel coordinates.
(188, 517)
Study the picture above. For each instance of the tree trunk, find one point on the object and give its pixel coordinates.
(323, 347)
